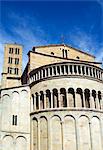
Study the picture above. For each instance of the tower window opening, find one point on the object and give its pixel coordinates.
(16, 61)
(10, 50)
(9, 70)
(16, 50)
(16, 71)
(10, 60)
(14, 120)
(64, 53)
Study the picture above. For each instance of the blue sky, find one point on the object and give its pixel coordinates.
(34, 23)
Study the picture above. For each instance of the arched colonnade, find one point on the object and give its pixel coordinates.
(67, 98)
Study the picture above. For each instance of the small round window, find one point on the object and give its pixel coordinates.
(78, 57)
(52, 53)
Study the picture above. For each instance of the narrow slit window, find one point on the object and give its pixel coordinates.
(14, 120)
(66, 54)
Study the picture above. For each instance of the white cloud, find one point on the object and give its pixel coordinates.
(87, 43)
(24, 30)
(27, 31)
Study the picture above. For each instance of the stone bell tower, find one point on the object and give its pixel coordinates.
(12, 66)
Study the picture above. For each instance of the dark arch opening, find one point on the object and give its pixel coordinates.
(79, 91)
(63, 93)
(37, 102)
(71, 91)
(55, 98)
(87, 97)
(48, 98)
(41, 100)
(94, 96)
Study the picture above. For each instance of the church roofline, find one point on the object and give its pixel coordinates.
(52, 45)
(13, 44)
(63, 58)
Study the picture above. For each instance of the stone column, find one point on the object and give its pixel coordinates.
(90, 135)
(64, 69)
(39, 101)
(59, 99)
(33, 79)
(84, 103)
(74, 97)
(55, 101)
(97, 74)
(97, 102)
(34, 103)
(49, 72)
(101, 101)
(35, 76)
(41, 73)
(85, 70)
(78, 100)
(62, 132)
(77, 135)
(67, 98)
(38, 135)
(31, 135)
(102, 76)
(81, 71)
(52, 70)
(45, 73)
(88, 71)
(51, 99)
(56, 71)
(73, 69)
(92, 72)
(49, 135)
(77, 70)
(44, 100)
(61, 70)
(69, 69)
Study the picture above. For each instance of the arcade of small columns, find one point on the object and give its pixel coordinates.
(68, 68)
(58, 98)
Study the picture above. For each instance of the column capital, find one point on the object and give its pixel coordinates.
(44, 93)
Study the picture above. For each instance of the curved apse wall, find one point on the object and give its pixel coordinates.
(58, 129)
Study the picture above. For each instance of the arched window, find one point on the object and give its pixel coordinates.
(48, 99)
(55, 98)
(87, 97)
(79, 97)
(63, 97)
(71, 97)
(94, 97)
(41, 100)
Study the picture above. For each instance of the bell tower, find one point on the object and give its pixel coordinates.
(12, 66)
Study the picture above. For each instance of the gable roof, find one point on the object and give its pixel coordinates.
(53, 45)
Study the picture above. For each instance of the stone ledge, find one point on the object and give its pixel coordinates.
(66, 109)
